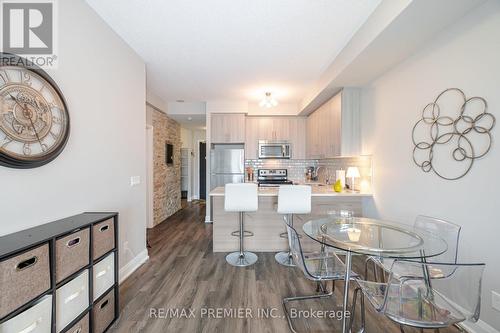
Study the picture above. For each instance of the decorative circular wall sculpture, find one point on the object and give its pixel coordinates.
(462, 132)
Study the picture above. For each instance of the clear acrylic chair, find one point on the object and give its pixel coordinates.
(424, 295)
(318, 262)
(448, 231)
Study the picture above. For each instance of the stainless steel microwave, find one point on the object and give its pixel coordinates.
(275, 149)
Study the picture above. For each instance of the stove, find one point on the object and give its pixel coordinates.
(273, 177)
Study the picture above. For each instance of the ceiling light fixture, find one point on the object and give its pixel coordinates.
(268, 101)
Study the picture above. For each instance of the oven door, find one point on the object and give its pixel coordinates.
(274, 150)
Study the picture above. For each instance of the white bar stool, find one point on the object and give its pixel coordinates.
(292, 199)
(241, 198)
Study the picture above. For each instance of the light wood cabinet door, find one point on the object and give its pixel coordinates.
(228, 128)
(313, 134)
(297, 137)
(251, 137)
(266, 128)
(281, 128)
(324, 130)
(334, 127)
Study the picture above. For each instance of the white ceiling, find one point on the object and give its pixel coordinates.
(234, 49)
(190, 121)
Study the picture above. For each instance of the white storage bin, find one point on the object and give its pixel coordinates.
(104, 275)
(36, 319)
(71, 300)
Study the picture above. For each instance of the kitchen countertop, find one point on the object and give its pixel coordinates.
(317, 191)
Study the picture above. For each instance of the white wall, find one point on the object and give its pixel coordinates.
(465, 55)
(186, 138)
(103, 81)
(188, 108)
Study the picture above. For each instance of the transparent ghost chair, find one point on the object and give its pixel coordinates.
(318, 262)
(424, 295)
(448, 231)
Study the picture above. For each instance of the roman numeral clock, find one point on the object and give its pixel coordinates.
(34, 119)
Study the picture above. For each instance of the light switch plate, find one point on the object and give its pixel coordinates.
(495, 300)
(135, 180)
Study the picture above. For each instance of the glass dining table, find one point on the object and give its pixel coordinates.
(370, 237)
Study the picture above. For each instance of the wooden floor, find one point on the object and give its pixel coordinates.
(183, 273)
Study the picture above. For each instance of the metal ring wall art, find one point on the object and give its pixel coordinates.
(464, 134)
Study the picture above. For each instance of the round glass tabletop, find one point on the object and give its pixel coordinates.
(374, 237)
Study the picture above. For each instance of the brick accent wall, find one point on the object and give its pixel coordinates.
(166, 178)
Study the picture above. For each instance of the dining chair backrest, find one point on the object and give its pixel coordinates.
(300, 246)
(433, 294)
(448, 231)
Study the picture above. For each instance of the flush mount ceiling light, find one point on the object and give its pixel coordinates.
(268, 101)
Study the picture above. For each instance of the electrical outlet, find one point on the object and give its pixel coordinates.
(135, 180)
(495, 300)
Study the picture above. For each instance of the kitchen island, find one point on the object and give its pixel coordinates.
(267, 224)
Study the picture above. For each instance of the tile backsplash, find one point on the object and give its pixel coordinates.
(327, 167)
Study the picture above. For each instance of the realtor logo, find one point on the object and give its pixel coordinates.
(28, 30)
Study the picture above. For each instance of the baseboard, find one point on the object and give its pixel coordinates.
(207, 219)
(479, 327)
(133, 264)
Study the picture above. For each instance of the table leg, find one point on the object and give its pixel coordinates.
(348, 267)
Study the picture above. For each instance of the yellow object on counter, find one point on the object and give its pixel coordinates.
(337, 187)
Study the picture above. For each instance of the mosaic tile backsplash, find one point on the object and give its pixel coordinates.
(327, 167)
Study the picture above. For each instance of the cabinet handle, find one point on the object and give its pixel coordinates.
(103, 305)
(101, 273)
(104, 228)
(31, 327)
(74, 295)
(27, 263)
(73, 242)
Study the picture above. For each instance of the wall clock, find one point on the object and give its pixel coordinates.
(34, 119)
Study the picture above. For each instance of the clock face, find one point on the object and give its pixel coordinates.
(34, 121)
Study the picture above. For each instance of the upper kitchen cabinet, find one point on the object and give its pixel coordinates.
(228, 127)
(333, 129)
(278, 128)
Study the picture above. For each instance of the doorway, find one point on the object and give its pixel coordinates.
(203, 171)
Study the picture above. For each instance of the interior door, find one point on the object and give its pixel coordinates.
(203, 171)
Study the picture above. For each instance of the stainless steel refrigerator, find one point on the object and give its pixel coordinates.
(227, 165)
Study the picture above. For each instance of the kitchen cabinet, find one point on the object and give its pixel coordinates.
(278, 128)
(228, 127)
(333, 128)
(323, 130)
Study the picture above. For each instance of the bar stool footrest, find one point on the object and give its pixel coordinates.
(285, 235)
(245, 233)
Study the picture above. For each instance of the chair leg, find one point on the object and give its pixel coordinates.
(375, 274)
(353, 310)
(401, 329)
(287, 300)
(285, 258)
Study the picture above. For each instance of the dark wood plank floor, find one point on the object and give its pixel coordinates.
(183, 273)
